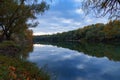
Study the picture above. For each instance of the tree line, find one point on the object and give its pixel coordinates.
(94, 33)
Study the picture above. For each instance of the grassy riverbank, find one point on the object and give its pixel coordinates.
(14, 68)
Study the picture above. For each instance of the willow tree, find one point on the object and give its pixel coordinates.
(111, 8)
(14, 15)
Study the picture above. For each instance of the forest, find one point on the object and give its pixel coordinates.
(99, 32)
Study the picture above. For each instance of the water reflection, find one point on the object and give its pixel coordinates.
(75, 61)
(98, 50)
(26, 49)
(18, 52)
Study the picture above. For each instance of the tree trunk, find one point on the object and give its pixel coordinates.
(6, 36)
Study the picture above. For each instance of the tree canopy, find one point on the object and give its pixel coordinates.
(14, 15)
(103, 7)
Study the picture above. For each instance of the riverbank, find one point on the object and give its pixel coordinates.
(9, 48)
(13, 66)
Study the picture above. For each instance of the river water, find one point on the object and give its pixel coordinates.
(78, 61)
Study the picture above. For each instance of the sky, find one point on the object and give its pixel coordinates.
(64, 15)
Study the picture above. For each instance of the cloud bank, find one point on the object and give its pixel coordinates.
(64, 15)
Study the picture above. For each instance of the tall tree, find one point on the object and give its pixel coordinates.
(14, 15)
(103, 7)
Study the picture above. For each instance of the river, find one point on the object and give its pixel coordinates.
(75, 61)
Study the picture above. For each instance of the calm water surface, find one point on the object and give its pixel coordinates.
(86, 62)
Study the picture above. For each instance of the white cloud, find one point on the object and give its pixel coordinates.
(88, 20)
(81, 66)
(91, 20)
(56, 24)
(63, 20)
(39, 45)
(78, 1)
(77, 23)
(41, 33)
(68, 21)
(79, 11)
(71, 22)
(57, 21)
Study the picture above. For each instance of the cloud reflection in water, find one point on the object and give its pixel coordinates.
(73, 65)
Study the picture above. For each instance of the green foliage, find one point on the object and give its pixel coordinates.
(94, 33)
(14, 16)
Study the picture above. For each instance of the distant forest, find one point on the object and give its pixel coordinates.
(94, 33)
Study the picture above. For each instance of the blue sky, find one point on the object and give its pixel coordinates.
(64, 15)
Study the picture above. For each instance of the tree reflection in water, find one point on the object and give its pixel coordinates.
(111, 51)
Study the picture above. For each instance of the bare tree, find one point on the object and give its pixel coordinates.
(110, 8)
